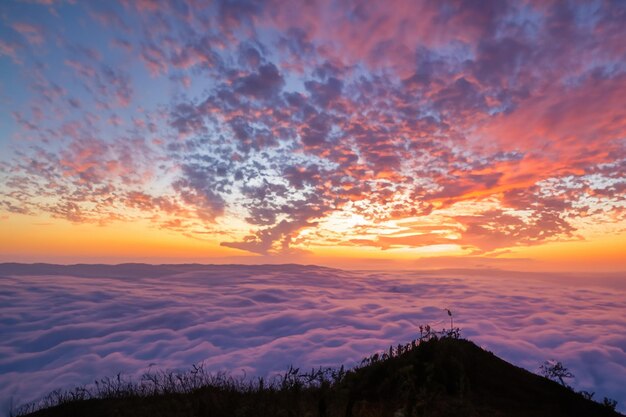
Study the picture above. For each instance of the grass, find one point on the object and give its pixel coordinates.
(436, 375)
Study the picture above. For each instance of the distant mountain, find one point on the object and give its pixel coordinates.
(142, 270)
(436, 378)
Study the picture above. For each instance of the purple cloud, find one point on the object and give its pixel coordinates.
(64, 326)
(256, 108)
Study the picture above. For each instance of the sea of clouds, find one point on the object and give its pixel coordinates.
(65, 326)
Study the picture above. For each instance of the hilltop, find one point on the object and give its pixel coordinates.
(436, 377)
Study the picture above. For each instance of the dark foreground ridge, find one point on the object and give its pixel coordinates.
(436, 377)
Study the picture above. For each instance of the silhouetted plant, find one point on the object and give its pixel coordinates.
(408, 378)
(454, 333)
(587, 395)
(609, 403)
(556, 371)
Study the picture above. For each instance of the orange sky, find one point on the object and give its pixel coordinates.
(55, 241)
(452, 135)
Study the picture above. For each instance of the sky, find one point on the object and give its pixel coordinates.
(348, 133)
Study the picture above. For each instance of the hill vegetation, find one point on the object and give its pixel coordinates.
(436, 375)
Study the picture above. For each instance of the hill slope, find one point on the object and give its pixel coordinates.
(439, 377)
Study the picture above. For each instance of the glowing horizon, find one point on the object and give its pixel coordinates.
(403, 134)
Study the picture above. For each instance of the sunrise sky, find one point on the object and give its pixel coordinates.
(348, 133)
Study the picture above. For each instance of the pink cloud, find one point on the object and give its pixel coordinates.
(264, 318)
(33, 33)
(289, 114)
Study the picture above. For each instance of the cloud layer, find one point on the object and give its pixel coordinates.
(64, 326)
(261, 125)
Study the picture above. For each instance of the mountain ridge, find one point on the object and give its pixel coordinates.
(436, 377)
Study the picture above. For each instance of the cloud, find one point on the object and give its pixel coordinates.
(242, 112)
(86, 322)
(324, 93)
(196, 190)
(266, 82)
(33, 33)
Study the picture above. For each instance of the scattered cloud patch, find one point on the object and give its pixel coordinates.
(253, 110)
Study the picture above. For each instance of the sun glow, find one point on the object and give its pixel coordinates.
(282, 134)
